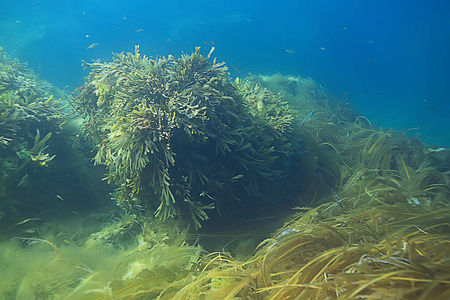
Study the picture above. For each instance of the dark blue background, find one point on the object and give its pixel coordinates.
(390, 56)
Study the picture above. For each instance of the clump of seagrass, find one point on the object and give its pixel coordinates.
(177, 136)
(383, 233)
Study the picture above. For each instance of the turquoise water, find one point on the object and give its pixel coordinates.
(389, 58)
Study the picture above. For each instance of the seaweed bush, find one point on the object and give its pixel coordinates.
(29, 115)
(382, 232)
(38, 162)
(178, 137)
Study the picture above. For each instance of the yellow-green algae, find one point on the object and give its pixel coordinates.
(178, 137)
(376, 226)
(40, 170)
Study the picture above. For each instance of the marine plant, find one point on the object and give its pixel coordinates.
(123, 258)
(38, 163)
(178, 137)
(28, 118)
(389, 252)
(380, 233)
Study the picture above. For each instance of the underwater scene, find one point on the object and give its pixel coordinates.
(224, 149)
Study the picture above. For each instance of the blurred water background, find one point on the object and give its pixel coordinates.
(388, 58)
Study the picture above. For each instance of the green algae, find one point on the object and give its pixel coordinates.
(40, 169)
(178, 137)
(372, 221)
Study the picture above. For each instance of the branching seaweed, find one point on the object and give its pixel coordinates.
(178, 136)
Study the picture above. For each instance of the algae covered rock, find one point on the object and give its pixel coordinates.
(178, 136)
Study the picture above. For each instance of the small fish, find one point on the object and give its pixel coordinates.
(23, 180)
(237, 177)
(307, 118)
(370, 41)
(92, 45)
(290, 51)
(139, 30)
(59, 197)
(414, 128)
(302, 208)
(87, 35)
(28, 220)
(345, 28)
(322, 48)
(430, 107)
(205, 42)
(371, 57)
(124, 18)
(236, 68)
(212, 42)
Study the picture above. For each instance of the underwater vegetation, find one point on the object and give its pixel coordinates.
(178, 137)
(371, 216)
(29, 116)
(121, 259)
(382, 234)
(39, 167)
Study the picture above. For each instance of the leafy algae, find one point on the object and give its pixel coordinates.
(178, 137)
(376, 225)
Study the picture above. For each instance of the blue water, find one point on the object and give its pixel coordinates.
(390, 57)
